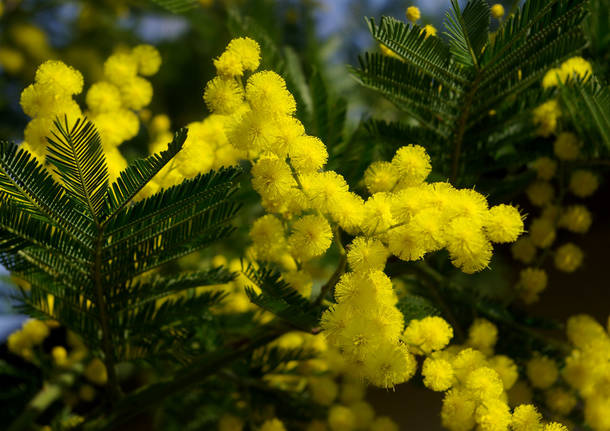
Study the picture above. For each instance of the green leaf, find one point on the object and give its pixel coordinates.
(76, 153)
(281, 299)
(468, 31)
(133, 179)
(416, 307)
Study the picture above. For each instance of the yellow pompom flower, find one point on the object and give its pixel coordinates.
(506, 369)
(377, 214)
(380, 177)
(412, 164)
(229, 65)
(405, 243)
(577, 67)
(60, 356)
(540, 193)
(95, 372)
(497, 11)
(11, 60)
(267, 234)
(35, 331)
(273, 425)
(438, 374)
(532, 281)
(576, 218)
(307, 154)
(384, 423)
(545, 168)
(60, 77)
(568, 257)
(103, 97)
(364, 413)
(352, 391)
(504, 224)
(413, 14)
(596, 413)
(389, 365)
(553, 77)
(524, 250)
(272, 178)
(542, 232)
(323, 390)
(266, 93)
(223, 96)
(545, 117)
(466, 361)
(482, 335)
(542, 371)
(41, 101)
(493, 415)
(560, 401)
(428, 334)
(366, 254)
(341, 418)
(120, 68)
(429, 30)
(229, 422)
(526, 418)
(567, 146)
(484, 383)
(147, 58)
(247, 50)
(137, 93)
(457, 412)
(583, 183)
(468, 247)
(311, 237)
(583, 330)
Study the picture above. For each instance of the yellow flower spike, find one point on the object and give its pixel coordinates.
(497, 11)
(413, 14)
(568, 257)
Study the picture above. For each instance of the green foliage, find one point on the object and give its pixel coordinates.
(80, 243)
(176, 6)
(472, 92)
(278, 297)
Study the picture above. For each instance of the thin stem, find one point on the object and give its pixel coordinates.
(114, 391)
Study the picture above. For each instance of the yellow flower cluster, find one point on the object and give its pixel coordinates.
(543, 230)
(32, 333)
(111, 103)
(587, 370)
(575, 67)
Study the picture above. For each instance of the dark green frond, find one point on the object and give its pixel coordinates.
(468, 31)
(76, 152)
(414, 92)
(281, 299)
(29, 186)
(133, 179)
(416, 307)
(328, 113)
(273, 358)
(588, 105)
(428, 54)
